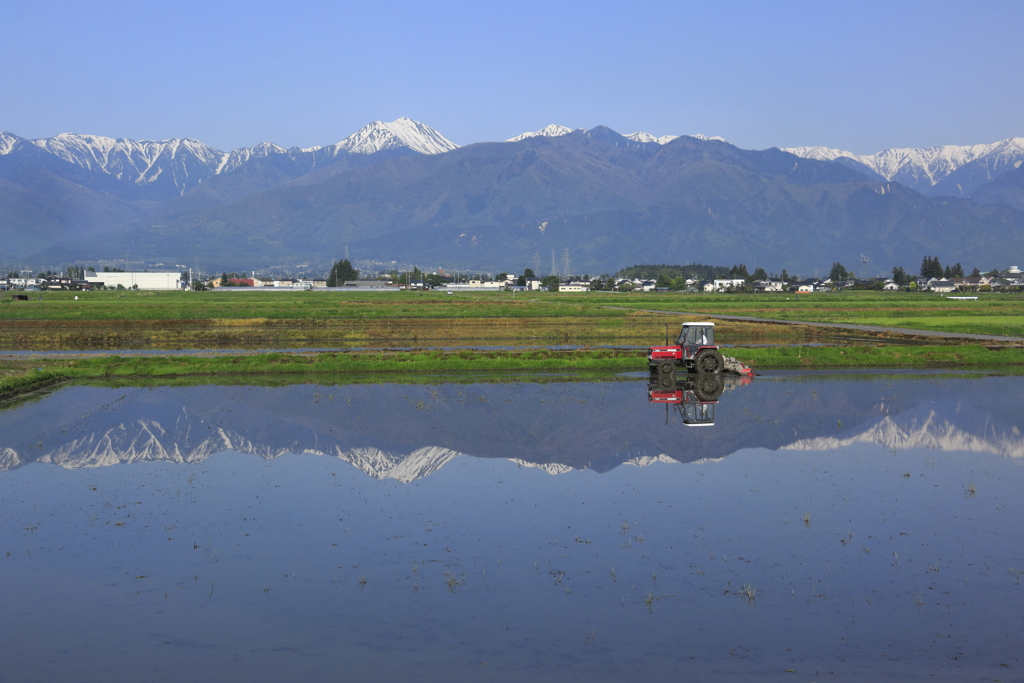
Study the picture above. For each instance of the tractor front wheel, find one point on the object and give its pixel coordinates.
(709, 361)
(667, 367)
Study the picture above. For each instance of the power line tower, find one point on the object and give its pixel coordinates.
(346, 253)
(565, 263)
(554, 268)
(536, 265)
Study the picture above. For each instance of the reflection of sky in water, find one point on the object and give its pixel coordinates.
(491, 569)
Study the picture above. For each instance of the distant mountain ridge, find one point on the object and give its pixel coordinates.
(401, 190)
(554, 131)
(952, 170)
(184, 163)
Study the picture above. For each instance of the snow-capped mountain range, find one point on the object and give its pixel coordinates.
(947, 170)
(187, 162)
(146, 440)
(955, 170)
(554, 131)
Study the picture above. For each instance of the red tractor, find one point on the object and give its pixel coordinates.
(695, 350)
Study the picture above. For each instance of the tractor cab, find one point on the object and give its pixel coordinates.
(695, 336)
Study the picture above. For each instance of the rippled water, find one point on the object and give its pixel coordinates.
(808, 527)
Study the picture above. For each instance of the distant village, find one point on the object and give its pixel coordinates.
(78, 279)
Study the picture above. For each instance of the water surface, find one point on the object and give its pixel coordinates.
(824, 527)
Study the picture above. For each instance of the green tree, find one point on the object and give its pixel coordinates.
(342, 272)
(838, 272)
(527, 274)
(930, 267)
(551, 282)
(760, 274)
(224, 280)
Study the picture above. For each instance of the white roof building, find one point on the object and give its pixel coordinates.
(162, 281)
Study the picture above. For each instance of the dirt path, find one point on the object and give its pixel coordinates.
(903, 331)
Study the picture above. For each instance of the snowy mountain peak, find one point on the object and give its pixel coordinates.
(552, 131)
(234, 159)
(698, 136)
(403, 132)
(8, 141)
(640, 136)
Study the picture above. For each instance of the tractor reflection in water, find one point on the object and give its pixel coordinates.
(693, 396)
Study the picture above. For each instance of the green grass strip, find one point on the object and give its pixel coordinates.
(962, 356)
(395, 365)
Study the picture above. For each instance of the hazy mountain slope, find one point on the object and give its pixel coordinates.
(1006, 189)
(390, 191)
(494, 205)
(45, 200)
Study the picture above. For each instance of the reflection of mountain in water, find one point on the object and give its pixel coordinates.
(931, 433)
(147, 441)
(406, 432)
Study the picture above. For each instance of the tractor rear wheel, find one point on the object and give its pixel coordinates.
(667, 367)
(709, 361)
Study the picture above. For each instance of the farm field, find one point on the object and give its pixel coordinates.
(418, 332)
(410, 317)
(991, 314)
(185, 320)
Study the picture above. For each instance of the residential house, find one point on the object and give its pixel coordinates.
(942, 285)
(723, 284)
(769, 285)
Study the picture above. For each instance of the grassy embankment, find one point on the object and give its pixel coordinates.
(399, 365)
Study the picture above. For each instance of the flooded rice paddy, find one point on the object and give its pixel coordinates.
(799, 527)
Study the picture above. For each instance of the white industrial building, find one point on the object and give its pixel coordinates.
(166, 280)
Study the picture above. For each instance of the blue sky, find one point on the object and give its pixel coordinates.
(861, 76)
